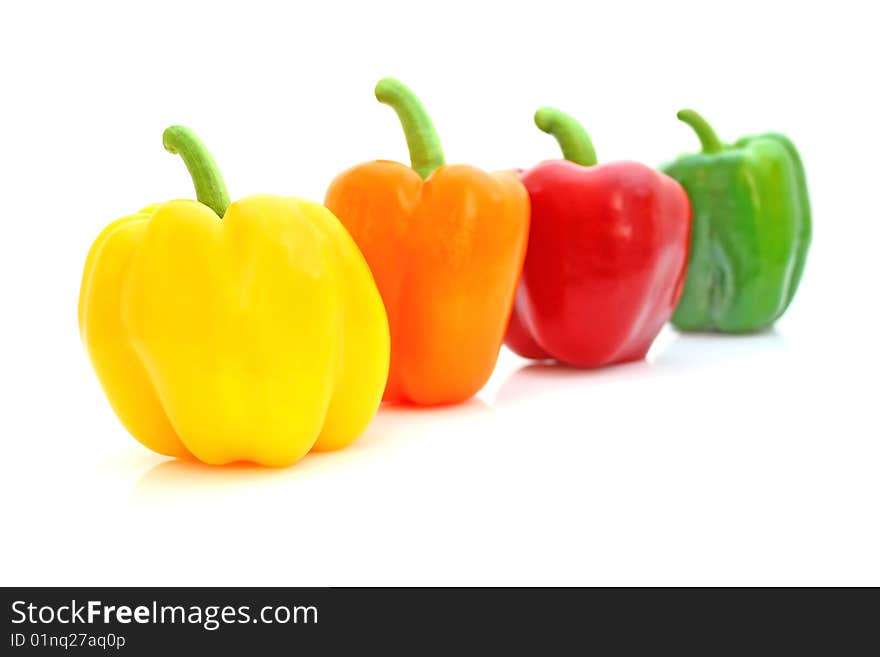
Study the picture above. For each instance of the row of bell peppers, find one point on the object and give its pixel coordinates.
(263, 329)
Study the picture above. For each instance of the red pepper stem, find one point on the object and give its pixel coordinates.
(573, 139)
(708, 139)
(425, 151)
(206, 176)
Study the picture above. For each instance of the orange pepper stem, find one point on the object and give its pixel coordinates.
(425, 152)
(574, 141)
(206, 176)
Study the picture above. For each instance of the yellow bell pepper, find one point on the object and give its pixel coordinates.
(255, 337)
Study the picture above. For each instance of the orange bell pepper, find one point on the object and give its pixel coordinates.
(446, 245)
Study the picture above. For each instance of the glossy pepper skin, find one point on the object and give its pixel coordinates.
(606, 258)
(752, 230)
(446, 244)
(255, 337)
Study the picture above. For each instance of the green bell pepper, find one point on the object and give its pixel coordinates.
(751, 230)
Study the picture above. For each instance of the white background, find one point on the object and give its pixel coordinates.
(721, 460)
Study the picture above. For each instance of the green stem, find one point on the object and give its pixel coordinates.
(425, 152)
(573, 139)
(708, 139)
(210, 188)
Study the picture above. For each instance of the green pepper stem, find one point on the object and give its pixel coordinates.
(210, 188)
(708, 139)
(574, 141)
(425, 152)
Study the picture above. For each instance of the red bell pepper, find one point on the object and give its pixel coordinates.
(607, 255)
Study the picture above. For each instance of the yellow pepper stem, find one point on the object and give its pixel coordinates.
(206, 176)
